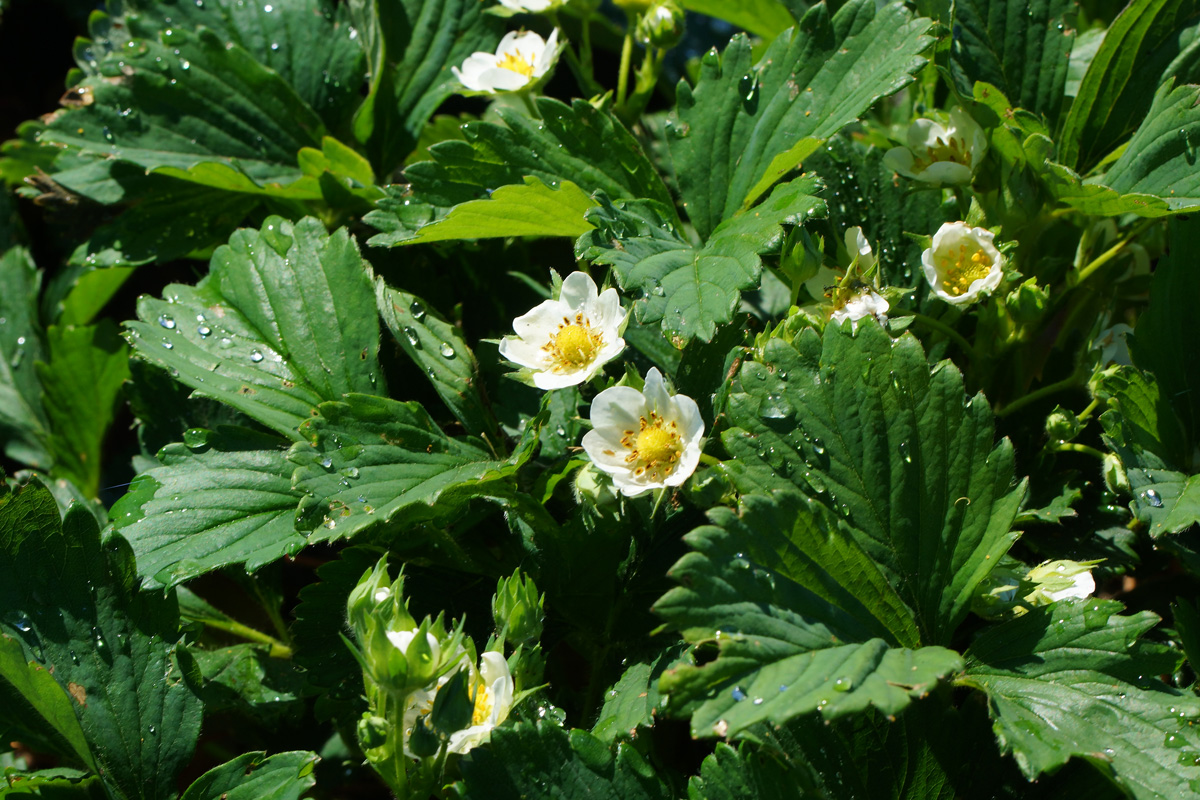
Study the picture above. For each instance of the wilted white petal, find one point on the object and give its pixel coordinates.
(565, 342)
(644, 440)
(962, 263)
(867, 303)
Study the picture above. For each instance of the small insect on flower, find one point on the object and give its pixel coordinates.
(940, 154)
(521, 58)
(962, 263)
(645, 440)
(567, 341)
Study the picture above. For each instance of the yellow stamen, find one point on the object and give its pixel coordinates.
(655, 449)
(515, 62)
(575, 345)
(958, 277)
(655, 444)
(483, 705)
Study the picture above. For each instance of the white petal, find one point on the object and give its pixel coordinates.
(655, 392)
(541, 322)
(519, 351)
(547, 56)
(619, 408)
(1083, 587)
(548, 381)
(503, 80)
(924, 133)
(578, 289)
(900, 159)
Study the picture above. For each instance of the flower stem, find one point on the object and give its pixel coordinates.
(530, 105)
(946, 331)
(1072, 447)
(1087, 412)
(1069, 382)
(278, 648)
(1112, 252)
(626, 57)
(712, 461)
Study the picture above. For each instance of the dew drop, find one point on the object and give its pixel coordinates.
(447, 350)
(737, 694)
(256, 356)
(167, 321)
(166, 344)
(843, 685)
(411, 335)
(417, 310)
(204, 331)
(1153, 498)
(350, 472)
(327, 462)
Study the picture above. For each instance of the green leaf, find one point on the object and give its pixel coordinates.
(188, 100)
(575, 143)
(109, 647)
(523, 760)
(811, 82)
(372, 461)
(802, 619)
(1072, 680)
(1021, 48)
(441, 352)
(309, 43)
(633, 701)
(765, 18)
(693, 290)
(1150, 42)
(1096, 199)
(1166, 339)
(253, 776)
(285, 319)
(248, 681)
(22, 419)
(90, 292)
(31, 699)
(411, 46)
(528, 209)
(861, 422)
(321, 617)
(1160, 159)
(58, 783)
(223, 498)
(82, 384)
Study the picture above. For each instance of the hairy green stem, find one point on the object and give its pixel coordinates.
(278, 648)
(1069, 382)
(1072, 447)
(946, 331)
(1112, 252)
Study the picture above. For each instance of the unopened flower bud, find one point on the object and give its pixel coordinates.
(662, 25)
(517, 609)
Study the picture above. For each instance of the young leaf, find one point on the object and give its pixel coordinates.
(521, 760)
(253, 776)
(286, 319)
(1071, 680)
(1150, 42)
(22, 420)
(372, 461)
(440, 350)
(803, 620)
(1021, 48)
(73, 605)
(82, 384)
(693, 290)
(740, 118)
(32, 700)
(248, 681)
(225, 497)
(765, 18)
(861, 422)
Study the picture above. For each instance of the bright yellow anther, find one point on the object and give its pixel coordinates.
(576, 344)
(656, 445)
(515, 62)
(483, 706)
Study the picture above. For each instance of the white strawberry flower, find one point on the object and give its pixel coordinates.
(962, 263)
(939, 153)
(1061, 580)
(645, 440)
(492, 690)
(530, 6)
(867, 303)
(567, 341)
(522, 58)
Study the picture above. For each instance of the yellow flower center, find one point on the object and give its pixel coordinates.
(515, 62)
(954, 150)
(960, 270)
(575, 344)
(483, 705)
(654, 448)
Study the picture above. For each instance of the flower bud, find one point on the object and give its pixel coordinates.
(1115, 477)
(662, 25)
(1062, 425)
(517, 609)
(1060, 580)
(1027, 302)
(372, 731)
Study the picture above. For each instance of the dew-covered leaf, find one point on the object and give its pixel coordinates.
(742, 116)
(285, 319)
(862, 423)
(1072, 680)
(224, 497)
(254, 776)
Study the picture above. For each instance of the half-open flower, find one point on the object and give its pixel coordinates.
(1061, 580)
(566, 341)
(962, 263)
(866, 303)
(939, 153)
(492, 690)
(521, 58)
(645, 440)
(530, 6)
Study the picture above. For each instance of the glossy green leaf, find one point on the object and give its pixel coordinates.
(1160, 159)
(765, 18)
(633, 701)
(1149, 43)
(524, 760)
(371, 461)
(740, 116)
(33, 701)
(254, 776)
(1071, 680)
(862, 423)
(92, 290)
(1021, 48)
(440, 350)
(693, 290)
(58, 783)
(247, 680)
(224, 497)
(22, 419)
(802, 619)
(575, 143)
(411, 47)
(109, 647)
(286, 319)
(82, 381)
(1097, 199)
